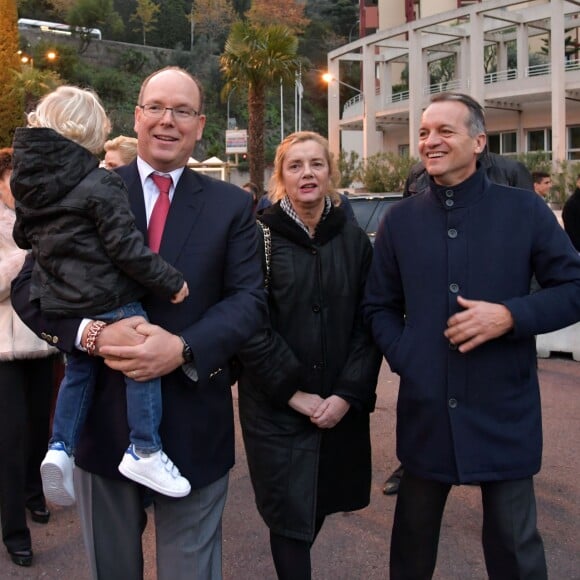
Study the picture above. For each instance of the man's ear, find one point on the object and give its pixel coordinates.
(480, 142)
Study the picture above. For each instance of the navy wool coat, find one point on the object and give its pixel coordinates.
(474, 416)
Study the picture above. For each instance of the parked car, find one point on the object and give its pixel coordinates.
(369, 209)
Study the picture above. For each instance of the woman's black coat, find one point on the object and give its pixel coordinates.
(316, 342)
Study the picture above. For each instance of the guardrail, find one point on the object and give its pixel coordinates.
(501, 75)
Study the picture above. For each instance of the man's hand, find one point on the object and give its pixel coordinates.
(330, 412)
(479, 322)
(305, 403)
(181, 295)
(159, 353)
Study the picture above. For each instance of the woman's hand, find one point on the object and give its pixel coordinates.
(305, 403)
(330, 412)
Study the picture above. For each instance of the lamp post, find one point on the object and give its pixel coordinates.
(357, 23)
(228, 109)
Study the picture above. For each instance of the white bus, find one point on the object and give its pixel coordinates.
(56, 28)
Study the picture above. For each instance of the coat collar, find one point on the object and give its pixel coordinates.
(463, 194)
(279, 221)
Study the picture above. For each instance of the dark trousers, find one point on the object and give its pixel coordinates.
(25, 398)
(512, 545)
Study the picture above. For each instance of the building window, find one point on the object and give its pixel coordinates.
(505, 143)
(540, 140)
(574, 143)
(404, 150)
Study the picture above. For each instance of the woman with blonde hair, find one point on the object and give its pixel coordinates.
(120, 151)
(309, 376)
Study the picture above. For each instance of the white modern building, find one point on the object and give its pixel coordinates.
(519, 59)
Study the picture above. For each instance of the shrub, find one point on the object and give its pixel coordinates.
(385, 172)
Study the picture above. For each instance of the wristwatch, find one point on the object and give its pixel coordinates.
(186, 353)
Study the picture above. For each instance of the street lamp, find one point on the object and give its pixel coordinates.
(26, 58)
(328, 78)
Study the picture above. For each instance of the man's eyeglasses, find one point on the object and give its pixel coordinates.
(179, 113)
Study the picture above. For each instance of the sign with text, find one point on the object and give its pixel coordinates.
(236, 141)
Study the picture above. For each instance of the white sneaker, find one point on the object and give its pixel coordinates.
(157, 472)
(56, 471)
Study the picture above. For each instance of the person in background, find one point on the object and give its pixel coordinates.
(119, 151)
(97, 265)
(500, 170)
(26, 382)
(209, 235)
(571, 216)
(542, 184)
(308, 377)
(252, 189)
(452, 323)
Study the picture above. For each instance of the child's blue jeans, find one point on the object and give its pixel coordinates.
(76, 394)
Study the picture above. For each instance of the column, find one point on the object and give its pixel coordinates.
(557, 60)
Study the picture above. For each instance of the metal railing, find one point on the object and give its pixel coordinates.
(501, 75)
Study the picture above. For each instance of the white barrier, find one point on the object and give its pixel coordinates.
(564, 340)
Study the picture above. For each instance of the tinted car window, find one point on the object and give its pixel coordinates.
(369, 210)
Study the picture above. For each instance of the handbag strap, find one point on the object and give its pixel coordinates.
(267, 252)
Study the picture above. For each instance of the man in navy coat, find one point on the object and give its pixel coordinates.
(210, 236)
(449, 305)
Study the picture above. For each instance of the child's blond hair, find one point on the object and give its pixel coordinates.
(76, 114)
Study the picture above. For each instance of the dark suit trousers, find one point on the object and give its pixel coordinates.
(512, 545)
(25, 395)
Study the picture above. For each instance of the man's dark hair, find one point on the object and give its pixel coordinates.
(537, 176)
(476, 121)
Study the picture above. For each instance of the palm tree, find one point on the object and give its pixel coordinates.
(257, 58)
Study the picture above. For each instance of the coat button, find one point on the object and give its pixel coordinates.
(55, 340)
(454, 288)
(452, 346)
(315, 308)
(452, 403)
(449, 203)
(449, 193)
(314, 251)
(452, 233)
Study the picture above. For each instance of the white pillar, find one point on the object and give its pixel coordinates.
(557, 60)
(334, 110)
(417, 84)
(370, 139)
(522, 49)
(476, 85)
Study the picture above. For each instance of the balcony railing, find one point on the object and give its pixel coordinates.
(501, 75)
(450, 85)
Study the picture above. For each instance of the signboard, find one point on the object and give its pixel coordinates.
(236, 141)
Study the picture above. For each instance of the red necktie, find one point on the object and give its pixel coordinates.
(160, 211)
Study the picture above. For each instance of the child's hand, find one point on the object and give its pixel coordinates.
(181, 295)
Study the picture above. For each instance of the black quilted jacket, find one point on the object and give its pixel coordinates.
(90, 257)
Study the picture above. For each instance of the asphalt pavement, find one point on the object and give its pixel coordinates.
(355, 546)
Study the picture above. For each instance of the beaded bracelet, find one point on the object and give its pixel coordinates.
(95, 329)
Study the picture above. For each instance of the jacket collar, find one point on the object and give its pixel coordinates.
(463, 194)
(279, 221)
